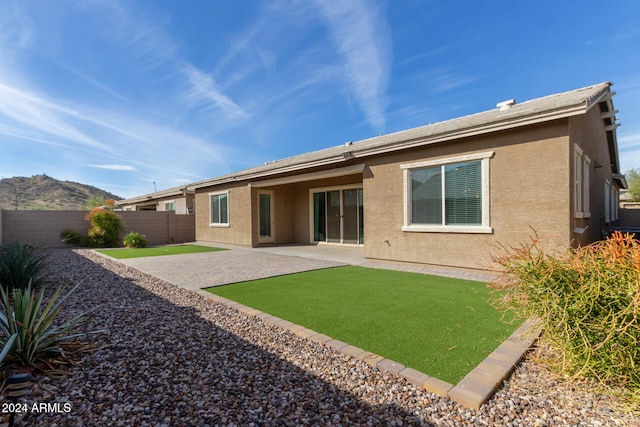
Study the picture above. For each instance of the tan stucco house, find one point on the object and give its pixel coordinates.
(441, 194)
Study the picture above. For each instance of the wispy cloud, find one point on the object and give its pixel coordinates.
(4, 131)
(114, 167)
(421, 56)
(36, 113)
(629, 141)
(362, 36)
(93, 81)
(205, 93)
(18, 31)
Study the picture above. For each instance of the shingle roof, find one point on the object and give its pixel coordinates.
(537, 110)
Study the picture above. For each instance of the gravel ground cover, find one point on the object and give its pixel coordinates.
(172, 357)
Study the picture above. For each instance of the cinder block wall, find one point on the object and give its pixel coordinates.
(43, 228)
(40, 228)
(185, 228)
(629, 217)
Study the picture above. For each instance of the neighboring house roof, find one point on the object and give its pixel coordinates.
(509, 115)
(162, 194)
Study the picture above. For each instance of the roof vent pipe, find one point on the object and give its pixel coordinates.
(505, 105)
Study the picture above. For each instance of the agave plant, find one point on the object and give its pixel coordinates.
(21, 264)
(7, 346)
(39, 340)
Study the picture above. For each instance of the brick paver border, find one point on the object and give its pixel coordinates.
(472, 391)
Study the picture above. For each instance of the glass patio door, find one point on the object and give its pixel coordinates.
(265, 222)
(350, 229)
(333, 216)
(338, 216)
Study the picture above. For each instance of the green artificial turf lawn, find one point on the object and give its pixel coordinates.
(158, 251)
(440, 326)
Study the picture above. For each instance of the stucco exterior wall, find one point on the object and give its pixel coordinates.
(240, 218)
(183, 205)
(588, 132)
(291, 211)
(529, 189)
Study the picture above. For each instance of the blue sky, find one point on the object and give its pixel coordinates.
(122, 93)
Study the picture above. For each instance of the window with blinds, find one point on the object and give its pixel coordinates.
(447, 194)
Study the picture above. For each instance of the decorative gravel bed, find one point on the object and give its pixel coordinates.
(172, 357)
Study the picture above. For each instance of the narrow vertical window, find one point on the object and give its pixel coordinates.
(607, 202)
(577, 182)
(586, 164)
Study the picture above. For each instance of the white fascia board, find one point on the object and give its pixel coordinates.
(330, 173)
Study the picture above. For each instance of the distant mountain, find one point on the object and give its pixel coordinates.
(41, 192)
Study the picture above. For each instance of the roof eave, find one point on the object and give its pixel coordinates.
(477, 130)
(270, 172)
(157, 195)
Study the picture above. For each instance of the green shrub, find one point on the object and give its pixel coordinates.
(105, 226)
(21, 264)
(135, 240)
(39, 338)
(71, 237)
(588, 302)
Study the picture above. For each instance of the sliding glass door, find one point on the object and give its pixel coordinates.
(338, 216)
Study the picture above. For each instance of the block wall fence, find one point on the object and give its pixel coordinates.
(629, 217)
(43, 228)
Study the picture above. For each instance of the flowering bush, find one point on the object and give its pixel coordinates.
(105, 226)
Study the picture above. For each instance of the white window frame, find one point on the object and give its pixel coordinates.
(607, 201)
(577, 182)
(610, 202)
(220, 224)
(170, 202)
(485, 227)
(586, 165)
(581, 179)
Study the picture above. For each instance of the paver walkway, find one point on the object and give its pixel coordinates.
(206, 269)
(239, 264)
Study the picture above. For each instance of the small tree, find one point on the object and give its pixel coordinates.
(105, 226)
(633, 179)
(96, 201)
